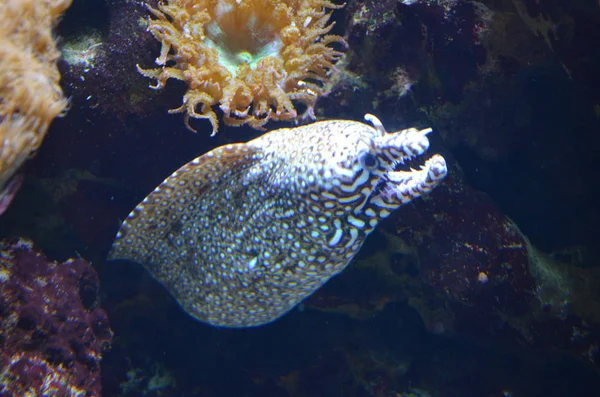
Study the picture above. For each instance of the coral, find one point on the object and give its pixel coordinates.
(253, 58)
(476, 257)
(53, 332)
(30, 97)
(83, 50)
(144, 382)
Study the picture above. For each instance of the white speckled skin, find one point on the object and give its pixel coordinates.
(244, 233)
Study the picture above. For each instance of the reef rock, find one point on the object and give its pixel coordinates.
(52, 331)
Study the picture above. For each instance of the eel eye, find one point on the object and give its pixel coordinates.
(369, 160)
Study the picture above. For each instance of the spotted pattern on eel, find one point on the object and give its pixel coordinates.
(244, 233)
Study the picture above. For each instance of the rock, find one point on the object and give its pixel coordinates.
(52, 331)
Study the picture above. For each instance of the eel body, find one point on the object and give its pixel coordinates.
(245, 232)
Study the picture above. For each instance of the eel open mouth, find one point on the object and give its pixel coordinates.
(404, 186)
(408, 179)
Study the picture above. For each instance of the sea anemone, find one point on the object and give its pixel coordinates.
(256, 59)
(30, 94)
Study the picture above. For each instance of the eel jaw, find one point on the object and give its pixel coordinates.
(401, 187)
(396, 188)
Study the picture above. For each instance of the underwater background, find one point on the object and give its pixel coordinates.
(488, 286)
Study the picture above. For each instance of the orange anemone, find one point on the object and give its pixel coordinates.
(30, 94)
(253, 58)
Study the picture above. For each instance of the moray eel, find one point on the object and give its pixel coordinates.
(245, 232)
